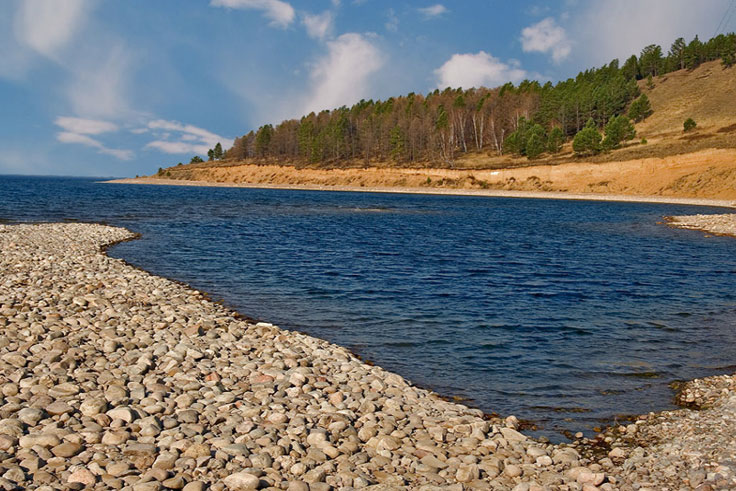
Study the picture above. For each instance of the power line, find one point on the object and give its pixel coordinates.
(726, 17)
(730, 18)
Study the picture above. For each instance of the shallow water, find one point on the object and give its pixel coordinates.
(569, 314)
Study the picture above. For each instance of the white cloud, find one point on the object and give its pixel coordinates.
(281, 13)
(179, 147)
(47, 26)
(392, 21)
(70, 137)
(433, 10)
(475, 70)
(319, 26)
(604, 30)
(342, 76)
(77, 130)
(99, 84)
(85, 126)
(189, 139)
(546, 36)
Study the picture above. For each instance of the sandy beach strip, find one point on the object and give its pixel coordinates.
(113, 378)
(442, 191)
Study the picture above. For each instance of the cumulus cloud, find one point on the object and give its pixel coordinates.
(604, 30)
(188, 138)
(475, 70)
(342, 76)
(433, 10)
(318, 26)
(47, 26)
(546, 36)
(77, 130)
(281, 13)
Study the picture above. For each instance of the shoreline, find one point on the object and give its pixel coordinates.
(441, 191)
(342, 413)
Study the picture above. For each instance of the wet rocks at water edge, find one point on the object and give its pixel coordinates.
(112, 378)
(724, 224)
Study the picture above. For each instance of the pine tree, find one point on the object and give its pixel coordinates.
(398, 143)
(689, 125)
(677, 52)
(263, 139)
(217, 152)
(618, 130)
(555, 139)
(630, 70)
(640, 109)
(535, 145)
(587, 141)
(650, 60)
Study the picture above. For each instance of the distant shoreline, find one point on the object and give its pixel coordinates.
(441, 191)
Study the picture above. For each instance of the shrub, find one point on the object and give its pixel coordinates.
(689, 125)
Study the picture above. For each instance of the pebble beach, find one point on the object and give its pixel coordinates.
(113, 378)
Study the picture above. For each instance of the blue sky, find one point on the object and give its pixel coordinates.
(119, 88)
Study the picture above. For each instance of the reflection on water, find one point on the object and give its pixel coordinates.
(565, 313)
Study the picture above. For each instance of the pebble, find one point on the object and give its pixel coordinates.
(115, 378)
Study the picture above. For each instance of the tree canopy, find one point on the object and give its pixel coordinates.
(526, 119)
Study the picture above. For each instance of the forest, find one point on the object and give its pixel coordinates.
(527, 119)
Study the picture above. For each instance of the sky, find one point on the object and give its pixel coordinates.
(121, 88)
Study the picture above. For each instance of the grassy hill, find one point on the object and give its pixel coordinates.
(700, 163)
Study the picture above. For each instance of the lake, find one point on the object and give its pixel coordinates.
(568, 314)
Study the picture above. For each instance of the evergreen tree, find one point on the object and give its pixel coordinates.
(196, 159)
(650, 60)
(535, 145)
(398, 143)
(630, 70)
(689, 125)
(517, 140)
(640, 109)
(618, 130)
(217, 153)
(263, 140)
(210, 155)
(587, 141)
(693, 54)
(555, 140)
(677, 53)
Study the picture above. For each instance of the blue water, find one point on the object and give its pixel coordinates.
(568, 314)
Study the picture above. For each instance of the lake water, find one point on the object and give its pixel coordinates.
(569, 314)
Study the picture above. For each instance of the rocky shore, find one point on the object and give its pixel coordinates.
(113, 378)
(715, 224)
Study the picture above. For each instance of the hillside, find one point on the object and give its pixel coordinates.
(701, 163)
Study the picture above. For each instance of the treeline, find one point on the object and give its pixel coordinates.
(442, 124)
